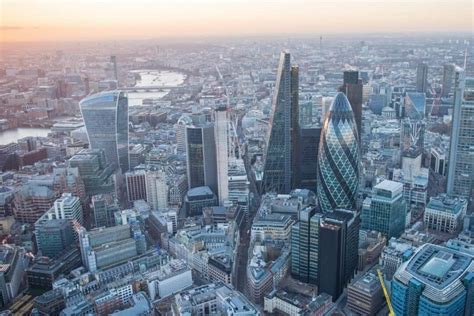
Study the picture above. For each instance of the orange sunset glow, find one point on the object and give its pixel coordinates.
(67, 20)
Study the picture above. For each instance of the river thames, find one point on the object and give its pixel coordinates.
(148, 78)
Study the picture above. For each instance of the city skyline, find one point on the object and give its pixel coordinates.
(236, 157)
(143, 19)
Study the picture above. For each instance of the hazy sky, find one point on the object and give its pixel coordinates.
(51, 20)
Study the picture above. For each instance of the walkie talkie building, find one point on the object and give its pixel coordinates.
(106, 118)
(338, 159)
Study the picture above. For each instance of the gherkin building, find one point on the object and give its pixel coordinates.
(338, 160)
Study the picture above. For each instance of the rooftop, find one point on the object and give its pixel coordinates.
(447, 204)
(437, 266)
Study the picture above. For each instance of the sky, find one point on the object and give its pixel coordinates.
(84, 20)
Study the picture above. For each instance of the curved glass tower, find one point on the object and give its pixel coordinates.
(106, 118)
(338, 159)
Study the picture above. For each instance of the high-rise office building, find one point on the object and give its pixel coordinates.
(157, 189)
(460, 180)
(239, 184)
(136, 185)
(386, 210)
(113, 60)
(66, 207)
(307, 158)
(53, 237)
(222, 153)
(435, 281)
(338, 239)
(421, 77)
(295, 126)
(94, 170)
(448, 79)
(352, 88)
(201, 156)
(338, 159)
(300, 243)
(103, 207)
(324, 249)
(106, 118)
(277, 173)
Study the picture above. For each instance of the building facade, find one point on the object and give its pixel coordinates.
(277, 173)
(435, 281)
(386, 210)
(106, 118)
(338, 172)
(461, 159)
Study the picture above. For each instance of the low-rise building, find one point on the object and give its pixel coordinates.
(445, 214)
(365, 295)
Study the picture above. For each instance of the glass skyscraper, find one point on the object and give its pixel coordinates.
(386, 211)
(277, 174)
(338, 159)
(461, 158)
(106, 118)
(201, 156)
(435, 281)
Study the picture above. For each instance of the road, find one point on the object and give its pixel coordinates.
(242, 250)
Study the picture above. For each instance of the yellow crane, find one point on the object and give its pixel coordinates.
(385, 293)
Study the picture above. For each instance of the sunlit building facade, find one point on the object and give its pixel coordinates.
(106, 118)
(277, 174)
(338, 159)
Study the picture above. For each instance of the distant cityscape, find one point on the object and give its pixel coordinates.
(324, 175)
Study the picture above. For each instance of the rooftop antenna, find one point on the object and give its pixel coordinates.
(321, 43)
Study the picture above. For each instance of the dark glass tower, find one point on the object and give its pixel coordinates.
(106, 118)
(421, 77)
(201, 156)
(338, 160)
(277, 174)
(353, 88)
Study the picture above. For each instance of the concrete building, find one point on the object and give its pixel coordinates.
(365, 295)
(136, 185)
(222, 153)
(169, 280)
(105, 247)
(394, 254)
(157, 189)
(198, 198)
(445, 214)
(32, 201)
(13, 264)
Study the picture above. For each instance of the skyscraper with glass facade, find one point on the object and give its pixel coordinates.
(421, 77)
(461, 158)
(106, 118)
(201, 156)
(352, 87)
(279, 160)
(435, 281)
(386, 211)
(338, 158)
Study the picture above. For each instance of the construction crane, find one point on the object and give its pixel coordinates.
(385, 293)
